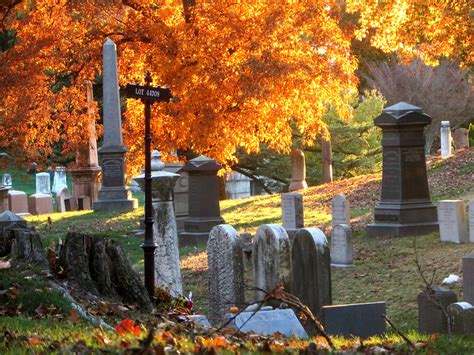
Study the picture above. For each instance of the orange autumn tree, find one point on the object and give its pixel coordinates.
(243, 72)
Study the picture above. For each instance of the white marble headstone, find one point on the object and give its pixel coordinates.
(341, 246)
(471, 221)
(452, 221)
(292, 212)
(43, 183)
(7, 180)
(340, 210)
(445, 135)
(59, 181)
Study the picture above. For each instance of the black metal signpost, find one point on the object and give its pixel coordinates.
(148, 95)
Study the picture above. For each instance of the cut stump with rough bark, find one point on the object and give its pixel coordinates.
(22, 244)
(100, 266)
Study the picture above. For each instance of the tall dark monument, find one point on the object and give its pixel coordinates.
(204, 210)
(405, 206)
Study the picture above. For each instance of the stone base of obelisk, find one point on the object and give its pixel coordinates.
(196, 230)
(85, 182)
(115, 199)
(402, 220)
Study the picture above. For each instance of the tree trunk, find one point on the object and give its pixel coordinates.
(23, 245)
(326, 155)
(101, 267)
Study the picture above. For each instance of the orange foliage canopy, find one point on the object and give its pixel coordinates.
(245, 72)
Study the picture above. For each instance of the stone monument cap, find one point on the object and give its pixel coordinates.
(402, 113)
(202, 163)
(445, 124)
(9, 219)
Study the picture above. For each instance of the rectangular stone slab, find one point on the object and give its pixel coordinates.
(268, 322)
(362, 319)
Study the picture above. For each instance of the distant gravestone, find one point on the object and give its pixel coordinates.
(355, 320)
(468, 278)
(84, 203)
(471, 221)
(4, 198)
(70, 204)
(298, 171)
(268, 322)
(341, 246)
(60, 180)
(61, 195)
(226, 272)
(340, 210)
(461, 316)
(271, 258)
(445, 135)
(18, 202)
(292, 211)
(43, 183)
(40, 203)
(7, 180)
(452, 221)
(461, 138)
(431, 318)
(311, 268)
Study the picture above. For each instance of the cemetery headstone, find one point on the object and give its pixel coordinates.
(468, 278)
(18, 202)
(452, 221)
(271, 258)
(40, 203)
(165, 234)
(83, 203)
(4, 198)
(461, 138)
(43, 183)
(113, 196)
(405, 206)
(445, 135)
(226, 272)
(70, 204)
(471, 221)
(461, 315)
(341, 246)
(268, 322)
(311, 268)
(292, 212)
(354, 320)
(237, 185)
(298, 171)
(431, 318)
(341, 213)
(60, 179)
(204, 210)
(61, 195)
(7, 180)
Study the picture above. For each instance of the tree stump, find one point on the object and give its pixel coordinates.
(22, 244)
(101, 267)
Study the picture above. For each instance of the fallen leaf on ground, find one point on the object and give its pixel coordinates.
(73, 316)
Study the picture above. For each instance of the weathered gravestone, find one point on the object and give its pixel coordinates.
(85, 181)
(43, 183)
(468, 278)
(113, 196)
(165, 233)
(70, 203)
(445, 135)
(461, 317)
(292, 212)
(61, 195)
(405, 206)
(461, 138)
(431, 318)
(237, 185)
(18, 202)
(83, 203)
(341, 213)
(4, 198)
(204, 210)
(452, 221)
(40, 204)
(311, 269)
(7, 180)
(60, 179)
(268, 322)
(298, 171)
(271, 258)
(471, 221)
(341, 246)
(226, 272)
(355, 320)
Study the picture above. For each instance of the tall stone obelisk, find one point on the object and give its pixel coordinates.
(113, 196)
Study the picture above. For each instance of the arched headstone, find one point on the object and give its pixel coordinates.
(311, 268)
(271, 258)
(226, 274)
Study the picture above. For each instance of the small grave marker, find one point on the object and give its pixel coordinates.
(340, 210)
(341, 246)
(452, 221)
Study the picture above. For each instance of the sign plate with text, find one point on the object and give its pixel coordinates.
(148, 93)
